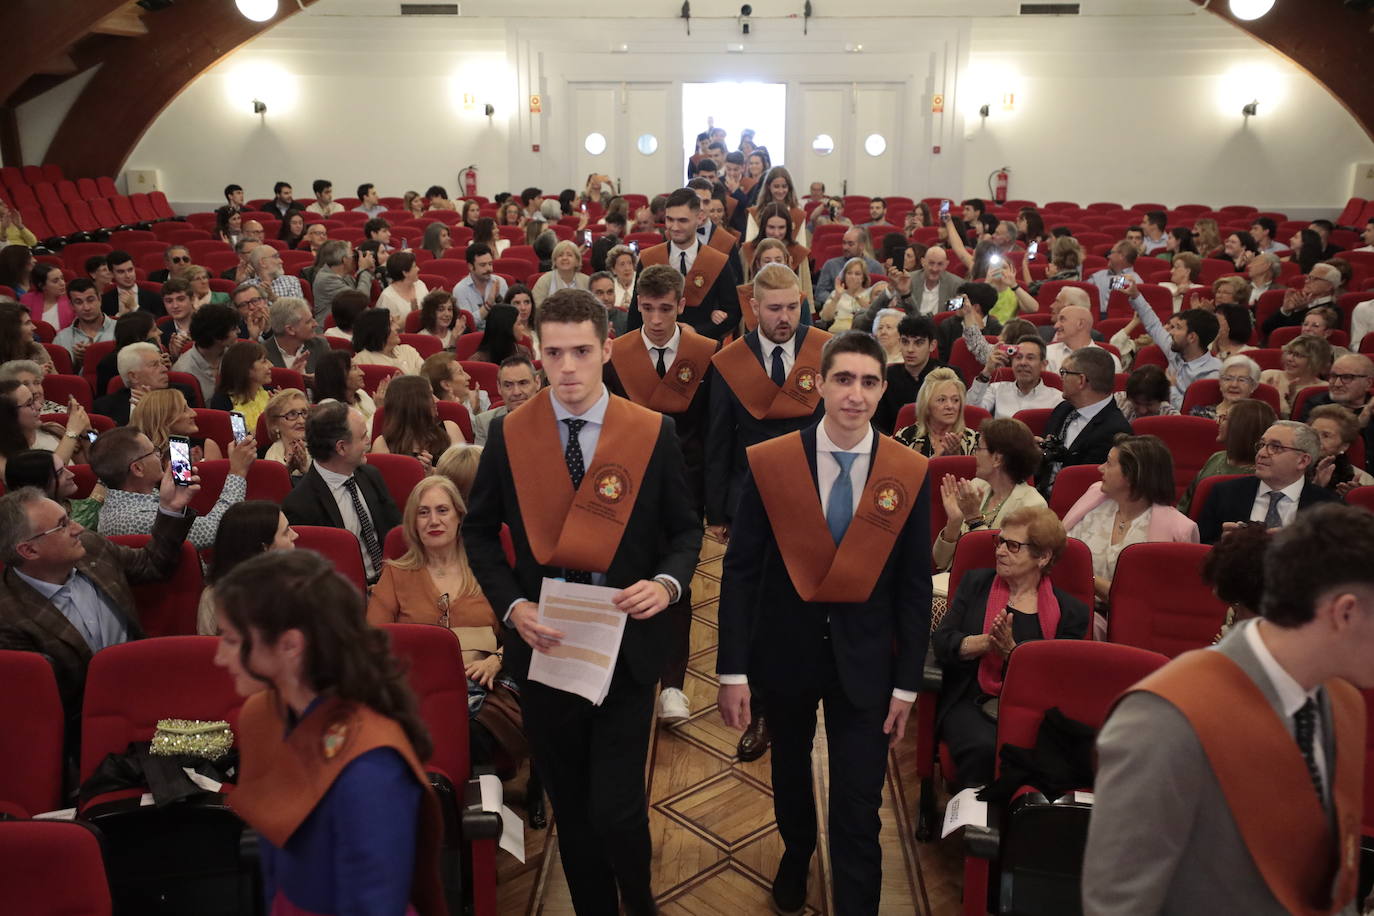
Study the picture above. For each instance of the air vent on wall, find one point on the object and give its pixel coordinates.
(1049, 9)
(429, 9)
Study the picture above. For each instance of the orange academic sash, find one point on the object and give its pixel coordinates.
(820, 569)
(1286, 830)
(578, 530)
(283, 779)
(796, 256)
(700, 276)
(723, 240)
(764, 400)
(745, 291)
(674, 392)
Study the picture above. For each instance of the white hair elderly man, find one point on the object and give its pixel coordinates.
(143, 369)
(294, 343)
(1073, 327)
(267, 267)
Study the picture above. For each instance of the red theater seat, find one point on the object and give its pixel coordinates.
(168, 608)
(1184, 615)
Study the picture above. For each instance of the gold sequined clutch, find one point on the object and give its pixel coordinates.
(194, 737)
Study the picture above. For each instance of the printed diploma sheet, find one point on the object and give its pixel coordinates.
(592, 626)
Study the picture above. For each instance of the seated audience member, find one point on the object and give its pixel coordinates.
(1184, 271)
(369, 201)
(337, 683)
(1337, 429)
(485, 232)
(47, 299)
(439, 318)
(30, 374)
(1083, 427)
(143, 370)
(133, 327)
(1348, 385)
(1306, 360)
(251, 300)
(885, 329)
(459, 464)
(992, 612)
(127, 295)
(340, 490)
(292, 230)
(129, 466)
(65, 590)
(340, 271)
(337, 378)
(21, 425)
(1065, 265)
(437, 239)
(482, 287)
(939, 428)
(1262, 230)
(1146, 394)
(855, 243)
(1133, 503)
(348, 305)
(1073, 327)
(1239, 427)
(849, 297)
(246, 530)
(89, 323)
(1120, 264)
(1323, 321)
(40, 468)
(165, 413)
(286, 414)
(265, 262)
(97, 270)
(1263, 273)
(245, 381)
(612, 238)
(620, 261)
(241, 272)
(975, 302)
(294, 343)
(176, 299)
(1240, 249)
(517, 382)
(1278, 490)
(499, 340)
(451, 382)
(1007, 455)
(1235, 325)
(325, 204)
(1361, 321)
(1240, 375)
(1323, 282)
(214, 329)
(411, 425)
(564, 274)
(915, 335)
(602, 285)
(406, 290)
(1026, 390)
(1185, 341)
(377, 343)
(16, 268)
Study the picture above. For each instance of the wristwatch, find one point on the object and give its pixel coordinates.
(71, 434)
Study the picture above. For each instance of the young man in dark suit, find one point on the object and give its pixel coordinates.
(126, 295)
(339, 490)
(712, 304)
(593, 491)
(1277, 491)
(904, 379)
(825, 598)
(1088, 421)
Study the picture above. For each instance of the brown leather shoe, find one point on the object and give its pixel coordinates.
(754, 743)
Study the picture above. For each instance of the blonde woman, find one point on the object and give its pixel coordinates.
(939, 428)
(201, 293)
(165, 413)
(459, 464)
(566, 260)
(1206, 237)
(286, 413)
(849, 298)
(1305, 360)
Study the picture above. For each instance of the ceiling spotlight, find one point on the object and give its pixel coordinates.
(1250, 109)
(257, 10)
(1250, 9)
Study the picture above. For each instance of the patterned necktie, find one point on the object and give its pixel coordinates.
(682, 263)
(1305, 725)
(660, 365)
(779, 373)
(840, 509)
(577, 469)
(368, 533)
(1272, 519)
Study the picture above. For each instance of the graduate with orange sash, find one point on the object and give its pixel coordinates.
(712, 308)
(593, 491)
(1232, 779)
(825, 598)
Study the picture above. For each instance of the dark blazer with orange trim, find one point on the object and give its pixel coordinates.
(663, 536)
(769, 633)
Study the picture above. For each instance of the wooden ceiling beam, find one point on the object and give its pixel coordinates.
(35, 28)
(58, 65)
(125, 23)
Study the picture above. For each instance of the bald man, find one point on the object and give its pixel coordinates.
(252, 229)
(1350, 380)
(1073, 328)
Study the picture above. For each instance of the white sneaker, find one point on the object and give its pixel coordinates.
(673, 706)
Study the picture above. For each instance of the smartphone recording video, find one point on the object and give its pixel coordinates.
(179, 449)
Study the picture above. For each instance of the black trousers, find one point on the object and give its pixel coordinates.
(858, 766)
(972, 740)
(592, 761)
(680, 642)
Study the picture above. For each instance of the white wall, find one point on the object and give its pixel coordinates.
(1109, 105)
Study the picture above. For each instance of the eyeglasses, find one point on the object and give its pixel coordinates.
(254, 301)
(297, 414)
(31, 404)
(1064, 372)
(60, 526)
(1012, 546)
(1263, 445)
(145, 455)
(1345, 378)
(181, 260)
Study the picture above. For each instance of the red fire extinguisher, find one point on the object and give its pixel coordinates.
(997, 184)
(468, 177)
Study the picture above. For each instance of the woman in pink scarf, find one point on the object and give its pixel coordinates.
(992, 612)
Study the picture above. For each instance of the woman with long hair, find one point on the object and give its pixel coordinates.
(228, 226)
(510, 214)
(775, 222)
(439, 318)
(1207, 237)
(1305, 248)
(22, 427)
(459, 464)
(437, 240)
(777, 187)
(411, 424)
(164, 413)
(245, 381)
(336, 738)
(939, 428)
(245, 530)
(338, 379)
(413, 203)
(39, 467)
(406, 290)
(47, 299)
(486, 233)
(16, 268)
(499, 339)
(377, 342)
(526, 333)
(1179, 241)
(292, 229)
(285, 415)
(472, 212)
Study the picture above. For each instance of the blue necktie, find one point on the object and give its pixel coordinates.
(841, 506)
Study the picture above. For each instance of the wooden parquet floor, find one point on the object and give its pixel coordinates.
(716, 845)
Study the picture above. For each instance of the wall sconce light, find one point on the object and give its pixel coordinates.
(490, 109)
(1251, 109)
(259, 107)
(984, 111)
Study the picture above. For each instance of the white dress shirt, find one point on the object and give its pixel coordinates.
(675, 254)
(1291, 699)
(930, 299)
(789, 353)
(1288, 506)
(1057, 352)
(670, 349)
(344, 500)
(1081, 417)
(1004, 399)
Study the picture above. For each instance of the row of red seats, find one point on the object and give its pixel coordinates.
(55, 221)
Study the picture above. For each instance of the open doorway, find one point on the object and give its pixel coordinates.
(760, 107)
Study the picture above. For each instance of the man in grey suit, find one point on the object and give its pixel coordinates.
(1230, 781)
(923, 292)
(340, 270)
(294, 344)
(516, 382)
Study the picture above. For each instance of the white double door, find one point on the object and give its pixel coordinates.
(862, 123)
(638, 124)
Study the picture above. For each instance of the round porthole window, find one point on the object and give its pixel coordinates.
(823, 145)
(595, 143)
(875, 145)
(647, 144)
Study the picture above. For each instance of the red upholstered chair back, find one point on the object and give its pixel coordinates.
(52, 867)
(373, 375)
(467, 345)
(30, 737)
(433, 661)
(1191, 441)
(1204, 490)
(485, 375)
(1072, 482)
(400, 472)
(1073, 573)
(130, 687)
(963, 467)
(1037, 418)
(1207, 391)
(1362, 497)
(59, 387)
(168, 608)
(94, 354)
(1079, 677)
(340, 547)
(458, 413)
(1169, 621)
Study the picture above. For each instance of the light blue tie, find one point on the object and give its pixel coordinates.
(841, 506)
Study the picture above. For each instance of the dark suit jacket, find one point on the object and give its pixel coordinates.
(148, 301)
(722, 295)
(691, 433)
(1093, 442)
(731, 429)
(967, 609)
(1232, 500)
(116, 406)
(30, 623)
(768, 632)
(316, 347)
(311, 503)
(663, 537)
